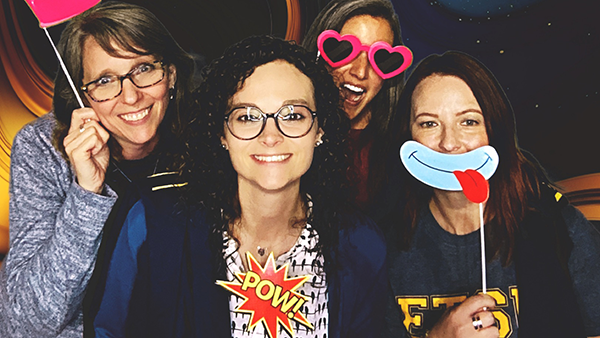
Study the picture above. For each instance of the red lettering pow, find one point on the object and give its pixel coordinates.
(269, 296)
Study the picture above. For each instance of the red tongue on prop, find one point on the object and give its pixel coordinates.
(474, 185)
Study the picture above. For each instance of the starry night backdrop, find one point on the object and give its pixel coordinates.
(546, 55)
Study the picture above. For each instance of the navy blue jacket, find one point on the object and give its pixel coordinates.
(173, 293)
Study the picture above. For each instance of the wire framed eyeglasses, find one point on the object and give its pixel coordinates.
(247, 122)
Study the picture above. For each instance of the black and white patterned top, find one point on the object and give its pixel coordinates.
(302, 262)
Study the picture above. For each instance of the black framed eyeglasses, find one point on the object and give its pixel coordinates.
(247, 122)
(108, 87)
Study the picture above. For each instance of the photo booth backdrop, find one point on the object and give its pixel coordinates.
(543, 52)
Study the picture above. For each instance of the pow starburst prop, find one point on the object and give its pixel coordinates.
(269, 296)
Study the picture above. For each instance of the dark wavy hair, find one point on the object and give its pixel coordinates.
(120, 26)
(516, 182)
(383, 105)
(211, 176)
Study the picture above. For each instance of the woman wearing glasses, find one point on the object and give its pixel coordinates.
(369, 90)
(267, 176)
(71, 166)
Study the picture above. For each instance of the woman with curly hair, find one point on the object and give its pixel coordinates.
(368, 99)
(266, 175)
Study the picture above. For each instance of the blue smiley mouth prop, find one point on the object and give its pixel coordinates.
(441, 171)
(468, 172)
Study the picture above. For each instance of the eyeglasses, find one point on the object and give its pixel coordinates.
(387, 61)
(108, 87)
(246, 123)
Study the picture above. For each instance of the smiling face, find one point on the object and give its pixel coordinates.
(133, 117)
(446, 117)
(272, 161)
(357, 80)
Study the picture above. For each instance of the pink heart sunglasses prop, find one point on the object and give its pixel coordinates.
(387, 61)
(53, 12)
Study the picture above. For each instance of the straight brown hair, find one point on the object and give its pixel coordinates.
(517, 179)
(119, 26)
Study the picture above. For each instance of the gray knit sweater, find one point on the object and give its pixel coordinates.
(55, 231)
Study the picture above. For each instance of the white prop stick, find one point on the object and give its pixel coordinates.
(64, 68)
(482, 234)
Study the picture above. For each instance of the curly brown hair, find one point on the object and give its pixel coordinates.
(212, 180)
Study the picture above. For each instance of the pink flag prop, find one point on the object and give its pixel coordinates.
(53, 12)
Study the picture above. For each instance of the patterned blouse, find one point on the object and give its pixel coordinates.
(301, 262)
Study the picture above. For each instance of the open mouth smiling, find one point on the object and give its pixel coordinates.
(352, 93)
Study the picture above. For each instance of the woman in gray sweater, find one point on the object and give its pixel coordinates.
(72, 166)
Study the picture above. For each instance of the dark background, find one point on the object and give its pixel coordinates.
(545, 53)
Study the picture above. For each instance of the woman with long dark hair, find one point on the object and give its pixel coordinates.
(368, 99)
(542, 254)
